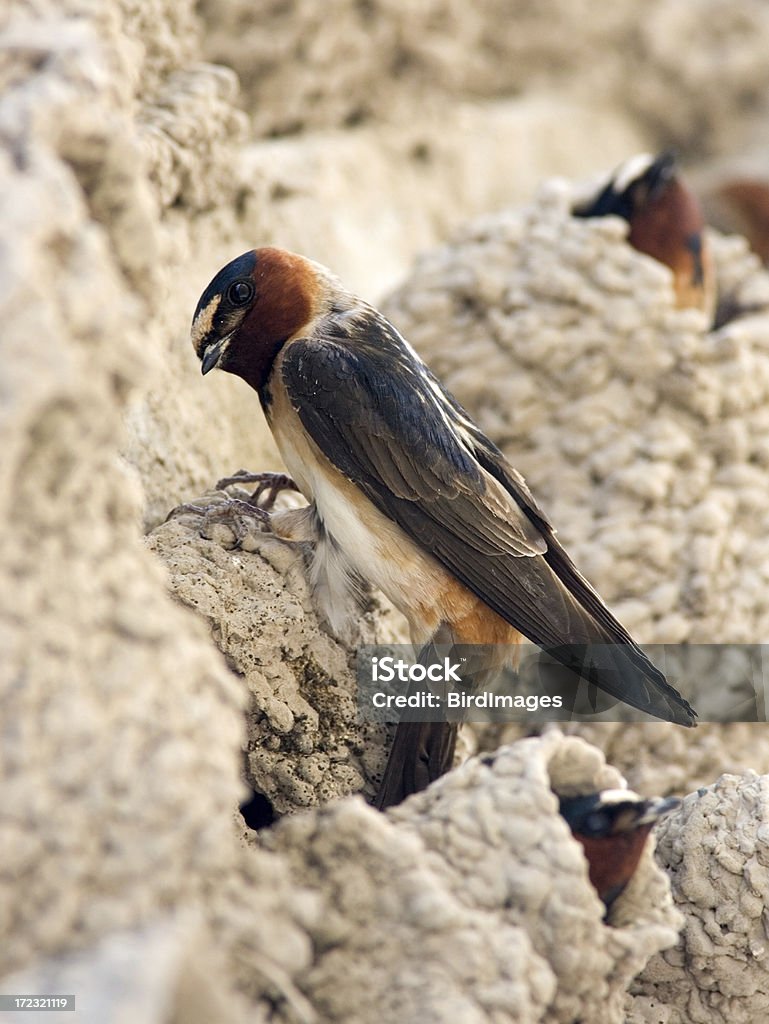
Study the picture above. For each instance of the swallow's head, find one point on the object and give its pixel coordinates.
(639, 181)
(613, 827)
(250, 309)
(665, 219)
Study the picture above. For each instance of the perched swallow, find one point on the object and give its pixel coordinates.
(405, 491)
(666, 222)
(613, 827)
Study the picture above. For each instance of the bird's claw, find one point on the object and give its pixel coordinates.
(232, 512)
(270, 483)
(239, 513)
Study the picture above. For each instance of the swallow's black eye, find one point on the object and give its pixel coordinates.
(240, 292)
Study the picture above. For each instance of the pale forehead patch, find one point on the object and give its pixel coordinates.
(620, 796)
(631, 170)
(204, 321)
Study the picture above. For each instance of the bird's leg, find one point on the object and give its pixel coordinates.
(271, 483)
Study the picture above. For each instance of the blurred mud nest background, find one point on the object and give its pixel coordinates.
(149, 675)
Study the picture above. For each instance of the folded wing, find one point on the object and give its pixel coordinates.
(388, 425)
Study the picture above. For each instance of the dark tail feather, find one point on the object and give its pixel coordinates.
(421, 753)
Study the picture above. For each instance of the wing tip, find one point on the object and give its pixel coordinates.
(684, 714)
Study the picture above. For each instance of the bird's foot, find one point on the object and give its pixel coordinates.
(269, 484)
(234, 513)
(238, 514)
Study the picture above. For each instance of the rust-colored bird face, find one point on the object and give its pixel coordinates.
(250, 309)
(639, 181)
(613, 827)
(665, 220)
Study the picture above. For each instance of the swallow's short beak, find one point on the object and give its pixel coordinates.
(211, 356)
(658, 809)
